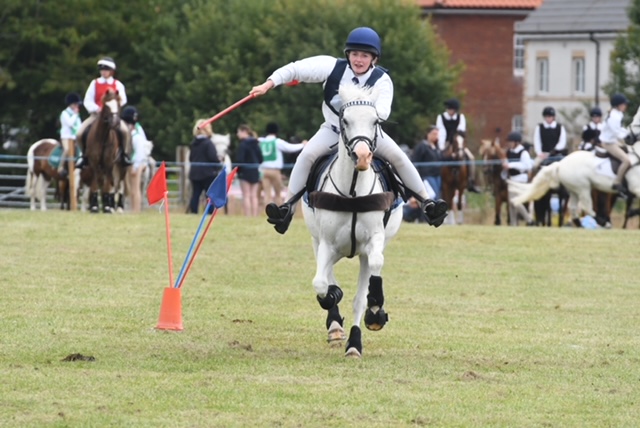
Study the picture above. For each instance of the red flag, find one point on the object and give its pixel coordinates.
(157, 185)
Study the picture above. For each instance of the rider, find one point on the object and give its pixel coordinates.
(591, 130)
(449, 122)
(69, 125)
(517, 167)
(92, 102)
(549, 138)
(612, 134)
(362, 50)
(139, 156)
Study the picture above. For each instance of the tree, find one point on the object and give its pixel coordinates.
(625, 64)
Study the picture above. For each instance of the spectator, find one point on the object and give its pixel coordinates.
(69, 125)
(516, 168)
(139, 156)
(249, 156)
(201, 172)
(427, 151)
(272, 148)
(549, 138)
(449, 123)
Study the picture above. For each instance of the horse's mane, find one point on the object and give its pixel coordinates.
(350, 93)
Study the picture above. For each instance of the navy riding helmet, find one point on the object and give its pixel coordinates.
(130, 114)
(549, 111)
(595, 112)
(452, 104)
(72, 98)
(363, 39)
(617, 99)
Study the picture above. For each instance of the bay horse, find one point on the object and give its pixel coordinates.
(493, 156)
(349, 213)
(455, 173)
(579, 173)
(103, 150)
(40, 172)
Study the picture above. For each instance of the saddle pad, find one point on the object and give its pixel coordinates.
(54, 157)
(603, 167)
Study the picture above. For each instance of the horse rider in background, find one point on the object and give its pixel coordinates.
(516, 168)
(92, 102)
(69, 125)
(591, 131)
(613, 135)
(362, 51)
(448, 122)
(549, 138)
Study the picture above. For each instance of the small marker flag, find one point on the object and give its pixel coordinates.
(157, 186)
(217, 192)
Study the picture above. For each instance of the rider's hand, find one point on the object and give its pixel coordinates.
(261, 89)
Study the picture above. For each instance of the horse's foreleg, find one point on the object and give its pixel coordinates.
(328, 295)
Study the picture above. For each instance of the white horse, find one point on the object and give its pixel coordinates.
(347, 217)
(579, 172)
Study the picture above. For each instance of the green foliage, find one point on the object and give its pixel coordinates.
(184, 60)
(625, 64)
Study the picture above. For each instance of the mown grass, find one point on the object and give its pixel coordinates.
(489, 327)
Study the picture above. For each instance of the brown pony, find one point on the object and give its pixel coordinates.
(40, 174)
(104, 145)
(454, 174)
(493, 156)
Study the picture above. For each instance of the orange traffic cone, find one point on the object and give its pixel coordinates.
(171, 310)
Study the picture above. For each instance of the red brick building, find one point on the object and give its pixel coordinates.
(480, 34)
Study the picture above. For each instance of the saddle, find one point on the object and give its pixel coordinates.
(615, 162)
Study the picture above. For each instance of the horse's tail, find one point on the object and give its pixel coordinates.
(546, 179)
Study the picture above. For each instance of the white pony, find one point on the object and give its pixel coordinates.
(346, 217)
(579, 172)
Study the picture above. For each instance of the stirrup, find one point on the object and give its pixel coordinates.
(435, 211)
(279, 216)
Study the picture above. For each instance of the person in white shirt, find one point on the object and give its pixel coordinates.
(516, 168)
(591, 131)
(139, 155)
(69, 125)
(549, 138)
(273, 160)
(92, 103)
(362, 50)
(613, 134)
(449, 123)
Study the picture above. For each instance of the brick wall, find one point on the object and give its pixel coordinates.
(491, 93)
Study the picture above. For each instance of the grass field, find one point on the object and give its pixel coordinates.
(507, 327)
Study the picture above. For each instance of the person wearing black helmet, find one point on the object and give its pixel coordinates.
(450, 122)
(549, 138)
(591, 131)
(69, 125)
(139, 155)
(516, 168)
(362, 51)
(613, 135)
(93, 99)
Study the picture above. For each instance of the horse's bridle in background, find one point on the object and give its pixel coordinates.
(350, 144)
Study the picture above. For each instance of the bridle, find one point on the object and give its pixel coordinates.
(351, 143)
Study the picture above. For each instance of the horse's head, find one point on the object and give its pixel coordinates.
(359, 123)
(110, 112)
(222, 143)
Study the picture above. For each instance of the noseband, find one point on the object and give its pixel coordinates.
(350, 144)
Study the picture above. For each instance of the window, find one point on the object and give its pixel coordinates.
(518, 56)
(578, 74)
(517, 124)
(542, 67)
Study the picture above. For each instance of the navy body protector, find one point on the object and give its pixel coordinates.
(333, 81)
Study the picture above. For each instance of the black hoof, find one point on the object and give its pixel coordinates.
(94, 210)
(375, 318)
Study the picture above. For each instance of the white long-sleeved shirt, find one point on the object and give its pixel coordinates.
(612, 130)
(274, 144)
(69, 124)
(90, 96)
(523, 164)
(139, 144)
(537, 140)
(442, 134)
(316, 69)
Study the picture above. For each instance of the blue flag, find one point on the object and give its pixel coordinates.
(217, 192)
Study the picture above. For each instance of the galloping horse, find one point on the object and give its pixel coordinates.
(455, 176)
(41, 172)
(104, 146)
(579, 172)
(349, 214)
(493, 156)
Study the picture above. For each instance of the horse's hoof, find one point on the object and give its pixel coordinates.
(375, 318)
(352, 353)
(120, 210)
(336, 335)
(94, 210)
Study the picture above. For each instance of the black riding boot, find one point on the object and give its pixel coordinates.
(280, 216)
(435, 211)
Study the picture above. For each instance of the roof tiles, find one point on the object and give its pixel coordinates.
(480, 4)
